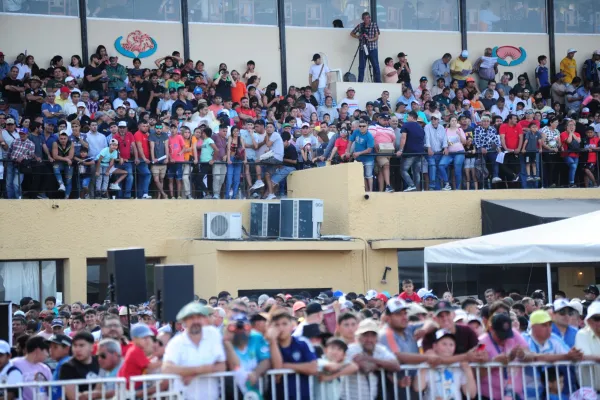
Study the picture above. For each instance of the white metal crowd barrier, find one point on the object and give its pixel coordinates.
(516, 381)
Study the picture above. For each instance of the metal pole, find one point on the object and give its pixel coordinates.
(84, 31)
(373, 10)
(463, 23)
(425, 276)
(551, 36)
(549, 278)
(282, 48)
(186, 29)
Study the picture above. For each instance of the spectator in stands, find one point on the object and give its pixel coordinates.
(412, 144)
(9, 374)
(562, 310)
(83, 365)
(568, 65)
(60, 352)
(587, 341)
(136, 360)
(436, 143)
(363, 144)
(32, 366)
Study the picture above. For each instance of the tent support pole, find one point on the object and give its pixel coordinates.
(425, 276)
(549, 278)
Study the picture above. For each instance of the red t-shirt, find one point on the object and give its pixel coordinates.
(511, 135)
(525, 124)
(143, 139)
(414, 297)
(125, 144)
(592, 145)
(342, 146)
(565, 145)
(246, 111)
(134, 364)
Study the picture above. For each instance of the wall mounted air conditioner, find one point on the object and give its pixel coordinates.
(226, 226)
(301, 219)
(264, 219)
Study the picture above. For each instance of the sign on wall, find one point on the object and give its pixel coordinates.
(509, 56)
(136, 44)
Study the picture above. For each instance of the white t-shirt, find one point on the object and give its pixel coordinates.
(76, 72)
(303, 141)
(23, 69)
(182, 352)
(445, 384)
(277, 145)
(13, 377)
(353, 104)
(247, 138)
(118, 102)
(262, 149)
(314, 73)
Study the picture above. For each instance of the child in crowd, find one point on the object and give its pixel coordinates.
(446, 382)
(409, 291)
(50, 303)
(556, 384)
(331, 368)
(105, 167)
(590, 144)
(84, 165)
(531, 146)
(341, 145)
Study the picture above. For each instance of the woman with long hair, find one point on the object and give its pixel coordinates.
(456, 150)
(56, 61)
(102, 56)
(236, 156)
(76, 67)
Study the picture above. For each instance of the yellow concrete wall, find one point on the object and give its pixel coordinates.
(339, 49)
(168, 36)
(235, 45)
(535, 45)
(584, 44)
(573, 280)
(20, 33)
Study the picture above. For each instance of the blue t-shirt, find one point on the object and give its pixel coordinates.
(569, 337)
(56, 390)
(107, 155)
(415, 138)
(51, 108)
(542, 74)
(256, 351)
(299, 351)
(361, 143)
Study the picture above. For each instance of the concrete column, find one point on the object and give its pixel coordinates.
(75, 270)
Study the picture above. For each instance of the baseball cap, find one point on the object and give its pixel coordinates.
(396, 304)
(10, 121)
(313, 308)
(442, 306)
(198, 90)
(64, 89)
(57, 322)
(367, 325)
(382, 297)
(316, 56)
(64, 133)
(577, 306)
(421, 292)
(442, 333)
(81, 104)
(1, 54)
(429, 295)
(423, 79)
(285, 126)
(466, 102)
(122, 123)
(593, 309)
(559, 304)
(585, 110)
(597, 52)
(436, 115)
(176, 71)
(113, 141)
(473, 318)
(305, 125)
(464, 53)
(172, 90)
(538, 294)
(371, 294)
(415, 309)
(402, 54)
(193, 308)
(384, 116)
(539, 317)
(571, 50)
(593, 289)
(298, 306)
(460, 314)
(470, 79)
(502, 326)
(69, 79)
(262, 299)
(4, 346)
(141, 331)
(63, 340)
(350, 89)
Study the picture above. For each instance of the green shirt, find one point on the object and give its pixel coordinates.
(207, 151)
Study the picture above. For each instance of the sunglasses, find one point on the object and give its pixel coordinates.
(362, 126)
(237, 310)
(564, 312)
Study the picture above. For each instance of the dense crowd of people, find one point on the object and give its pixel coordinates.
(342, 339)
(106, 130)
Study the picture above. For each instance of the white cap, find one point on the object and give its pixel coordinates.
(371, 294)
(396, 304)
(571, 51)
(19, 312)
(559, 304)
(597, 52)
(81, 104)
(4, 347)
(577, 306)
(415, 309)
(423, 291)
(593, 309)
(122, 123)
(464, 53)
(69, 79)
(460, 314)
(473, 317)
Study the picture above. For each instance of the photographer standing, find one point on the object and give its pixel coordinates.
(367, 33)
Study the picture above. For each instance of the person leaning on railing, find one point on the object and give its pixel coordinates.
(21, 154)
(588, 340)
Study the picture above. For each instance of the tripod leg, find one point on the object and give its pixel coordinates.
(354, 58)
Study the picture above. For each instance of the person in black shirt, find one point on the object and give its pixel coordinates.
(12, 89)
(35, 97)
(83, 365)
(223, 85)
(94, 76)
(142, 92)
(290, 159)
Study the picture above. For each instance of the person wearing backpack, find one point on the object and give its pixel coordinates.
(9, 374)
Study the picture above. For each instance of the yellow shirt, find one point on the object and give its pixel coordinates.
(458, 65)
(568, 66)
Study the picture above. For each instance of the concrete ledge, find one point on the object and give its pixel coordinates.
(407, 243)
(287, 245)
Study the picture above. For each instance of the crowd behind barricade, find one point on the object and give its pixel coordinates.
(339, 345)
(106, 130)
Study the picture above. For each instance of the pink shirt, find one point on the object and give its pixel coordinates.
(176, 145)
(454, 143)
(512, 373)
(382, 134)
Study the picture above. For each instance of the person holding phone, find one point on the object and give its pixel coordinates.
(223, 84)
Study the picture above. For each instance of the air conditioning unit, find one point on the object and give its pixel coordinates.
(301, 219)
(227, 226)
(264, 219)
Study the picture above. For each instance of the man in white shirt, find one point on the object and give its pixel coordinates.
(195, 352)
(500, 109)
(588, 341)
(353, 102)
(318, 71)
(122, 98)
(9, 374)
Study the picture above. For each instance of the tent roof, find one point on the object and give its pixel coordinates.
(570, 240)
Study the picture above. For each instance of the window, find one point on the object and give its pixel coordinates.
(97, 279)
(41, 7)
(152, 10)
(433, 15)
(577, 16)
(35, 279)
(249, 12)
(506, 16)
(322, 13)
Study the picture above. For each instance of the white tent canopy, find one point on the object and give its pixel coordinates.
(570, 240)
